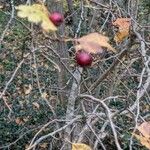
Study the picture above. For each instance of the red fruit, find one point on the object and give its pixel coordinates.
(83, 58)
(57, 18)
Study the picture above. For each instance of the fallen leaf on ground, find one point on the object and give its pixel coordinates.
(19, 121)
(44, 95)
(1, 6)
(80, 146)
(36, 105)
(28, 89)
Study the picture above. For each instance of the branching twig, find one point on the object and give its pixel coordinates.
(9, 22)
(108, 71)
(53, 133)
(109, 115)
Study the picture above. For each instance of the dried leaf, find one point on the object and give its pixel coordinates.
(26, 119)
(44, 145)
(36, 13)
(28, 89)
(144, 135)
(144, 128)
(89, 47)
(93, 43)
(120, 35)
(36, 105)
(1, 6)
(80, 146)
(19, 121)
(34, 66)
(27, 146)
(122, 23)
(124, 26)
(44, 95)
(144, 141)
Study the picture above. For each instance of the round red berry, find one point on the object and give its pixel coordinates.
(83, 58)
(57, 18)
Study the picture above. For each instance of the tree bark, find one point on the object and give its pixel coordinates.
(61, 48)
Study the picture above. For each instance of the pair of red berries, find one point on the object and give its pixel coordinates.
(57, 18)
(83, 58)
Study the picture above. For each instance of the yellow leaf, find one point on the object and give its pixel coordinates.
(80, 146)
(124, 26)
(93, 43)
(36, 13)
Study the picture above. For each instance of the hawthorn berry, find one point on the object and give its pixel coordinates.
(83, 58)
(57, 18)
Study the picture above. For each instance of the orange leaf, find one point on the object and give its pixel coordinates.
(124, 25)
(93, 43)
(120, 35)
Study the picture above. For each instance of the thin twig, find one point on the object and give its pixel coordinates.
(109, 115)
(53, 133)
